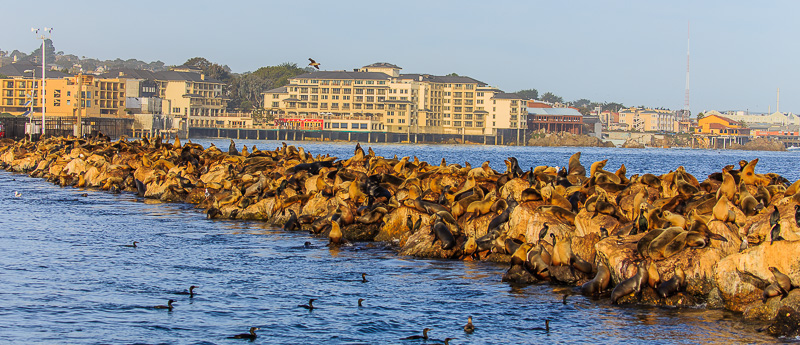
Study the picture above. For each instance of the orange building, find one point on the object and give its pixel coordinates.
(720, 125)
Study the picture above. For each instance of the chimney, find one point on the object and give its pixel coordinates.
(202, 76)
(121, 73)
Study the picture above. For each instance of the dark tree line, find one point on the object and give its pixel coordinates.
(583, 105)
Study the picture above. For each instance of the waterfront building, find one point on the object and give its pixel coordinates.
(717, 125)
(543, 116)
(776, 118)
(66, 95)
(184, 93)
(649, 120)
(378, 97)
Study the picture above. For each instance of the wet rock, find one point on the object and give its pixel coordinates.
(787, 323)
(741, 277)
(519, 275)
(360, 232)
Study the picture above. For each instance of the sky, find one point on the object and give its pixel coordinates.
(631, 52)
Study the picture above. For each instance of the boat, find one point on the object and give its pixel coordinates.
(790, 148)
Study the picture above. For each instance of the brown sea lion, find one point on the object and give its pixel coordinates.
(674, 284)
(599, 283)
(631, 285)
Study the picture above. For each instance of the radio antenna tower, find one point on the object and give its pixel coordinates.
(686, 100)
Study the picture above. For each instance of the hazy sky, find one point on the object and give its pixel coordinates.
(633, 52)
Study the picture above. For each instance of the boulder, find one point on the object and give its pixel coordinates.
(741, 277)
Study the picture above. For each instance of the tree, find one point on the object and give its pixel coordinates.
(212, 70)
(582, 103)
(700, 116)
(246, 90)
(743, 124)
(49, 52)
(528, 94)
(612, 106)
(552, 98)
(452, 75)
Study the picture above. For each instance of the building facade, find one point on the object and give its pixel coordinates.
(649, 120)
(65, 95)
(379, 97)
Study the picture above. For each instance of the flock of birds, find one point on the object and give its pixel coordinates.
(251, 334)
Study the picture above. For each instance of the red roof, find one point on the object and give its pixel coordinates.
(535, 104)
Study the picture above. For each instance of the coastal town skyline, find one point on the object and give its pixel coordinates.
(634, 54)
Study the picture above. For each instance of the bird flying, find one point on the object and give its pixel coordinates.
(313, 63)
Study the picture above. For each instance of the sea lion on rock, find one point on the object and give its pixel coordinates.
(673, 285)
(443, 234)
(631, 285)
(599, 283)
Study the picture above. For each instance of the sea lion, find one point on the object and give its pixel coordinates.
(720, 210)
(520, 254)
(373, 216)
(644, 243)
(763, 196)
(549, 195)
(631, 285)
(443, 234)
(651, 181)
(335, 236)
(657, 247)
(772, 290)
(783, 281)
(574, 166)
(561, 251)
(291, 223)
(675, 219)
(141, 189)
(558, 212)
(536, 264)
(530, 194)
(599, 283)
(747, 203)
(232, 151)
(653, 278)
(673, 285)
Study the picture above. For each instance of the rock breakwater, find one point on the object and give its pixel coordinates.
(729, 240)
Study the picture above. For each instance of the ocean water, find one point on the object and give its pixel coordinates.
(67, 278)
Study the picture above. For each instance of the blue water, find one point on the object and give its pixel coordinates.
(66, 278)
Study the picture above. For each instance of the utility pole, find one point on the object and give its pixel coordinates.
(43, 37)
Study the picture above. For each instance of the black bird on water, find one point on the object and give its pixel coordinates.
(469, 327)
(131, 245)
(359, 302)
(309, 306)
(307, 244)
(190, 292)
(168, 306)
(424, 335)
(446, 342)
(364, 278)
(252, 335)
(546, 327)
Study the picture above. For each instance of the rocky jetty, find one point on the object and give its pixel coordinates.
(760, 144)
(728, 240)
(541, 138)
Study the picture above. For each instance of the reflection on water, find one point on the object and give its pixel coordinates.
(66, 277)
